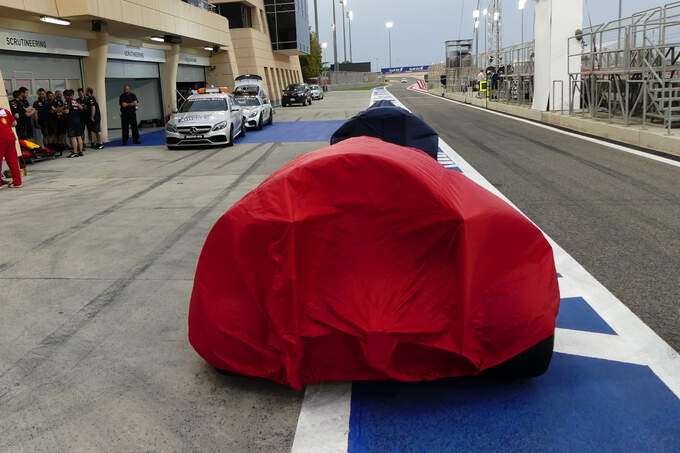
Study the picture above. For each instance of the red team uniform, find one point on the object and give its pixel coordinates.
(8, 146)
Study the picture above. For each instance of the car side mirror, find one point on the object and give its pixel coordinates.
(174, 110)
(235, 108)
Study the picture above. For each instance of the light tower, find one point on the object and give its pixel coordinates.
(494, 32)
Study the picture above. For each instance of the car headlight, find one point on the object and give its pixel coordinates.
(252, 114)
(170, 127)
(219, 126)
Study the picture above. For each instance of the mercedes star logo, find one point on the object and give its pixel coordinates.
(193, 131)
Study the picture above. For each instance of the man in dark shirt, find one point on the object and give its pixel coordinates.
(60, 121)
(82, 100)
(94, 118)
(42, 117)
(128, 115)
(30, 113)
(73, 114)
(16, 106)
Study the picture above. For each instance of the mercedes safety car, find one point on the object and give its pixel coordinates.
(256, 111)
(211, 117)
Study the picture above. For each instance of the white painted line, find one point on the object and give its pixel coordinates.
(570, 134)
(595, 345)
(323, 424)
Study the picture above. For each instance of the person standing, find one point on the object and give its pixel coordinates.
(480, 78)
(60, 130)
(16, 106)
(94, 118)
(30, 113)
(8, 150)
(82, 101)
(128, 115)
(42, 117)
(72, 112)
(495, 78)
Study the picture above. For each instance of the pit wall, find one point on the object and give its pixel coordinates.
(654, 138)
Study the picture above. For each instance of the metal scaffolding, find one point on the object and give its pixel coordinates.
(629, 68)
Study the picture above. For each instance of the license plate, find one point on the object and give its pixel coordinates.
(292, 99)
(194, 136)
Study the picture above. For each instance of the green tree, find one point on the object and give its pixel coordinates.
(311, 64)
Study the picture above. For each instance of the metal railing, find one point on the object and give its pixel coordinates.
(628, 68)
(203, 4)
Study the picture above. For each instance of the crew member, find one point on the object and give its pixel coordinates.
(94, 118)
(17, 109)
(60, 121)
(42, 117)
(30, 113)
(82, 100)
(72, 112)
(8, 150)
(128, 115)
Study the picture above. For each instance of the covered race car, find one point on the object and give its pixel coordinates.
(368, 260)
(390, 123)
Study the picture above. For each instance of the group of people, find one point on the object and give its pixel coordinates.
(58, 116)
(493, 77)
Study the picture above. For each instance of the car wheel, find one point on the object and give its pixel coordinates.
(259, 123)
(271, 117)
(231, 136)
(243, 128)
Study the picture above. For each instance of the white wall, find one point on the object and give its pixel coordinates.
(556, 21)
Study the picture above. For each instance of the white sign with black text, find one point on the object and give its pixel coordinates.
(24, 41)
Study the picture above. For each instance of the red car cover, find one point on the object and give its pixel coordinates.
(368, 260)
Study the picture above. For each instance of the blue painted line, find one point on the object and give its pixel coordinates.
(576, 314)
(297, 131)
(154, 138)
(580, 404)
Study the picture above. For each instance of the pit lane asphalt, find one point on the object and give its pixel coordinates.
(616, 213)
(97, 259)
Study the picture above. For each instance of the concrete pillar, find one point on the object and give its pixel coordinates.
(95, 73)
(169, 79)
(224, 69)
(277, 83)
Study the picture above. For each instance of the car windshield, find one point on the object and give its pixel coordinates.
(254, 89)
(204, 105)
(296, 87)
(247, 102)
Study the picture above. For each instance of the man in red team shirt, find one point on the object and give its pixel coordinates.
(8, 149)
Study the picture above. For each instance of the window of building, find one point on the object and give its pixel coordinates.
(239, 15)
(288, 25)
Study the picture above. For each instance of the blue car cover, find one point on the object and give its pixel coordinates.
(392, 124)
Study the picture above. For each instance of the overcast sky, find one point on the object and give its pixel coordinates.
(422, 26)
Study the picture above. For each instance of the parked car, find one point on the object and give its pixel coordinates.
(317, 92)
(256, 111)
(297, 93)
(250, 85)
(211, 117)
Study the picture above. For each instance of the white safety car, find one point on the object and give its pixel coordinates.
(256, 111)
(317, 91)
(211, 117)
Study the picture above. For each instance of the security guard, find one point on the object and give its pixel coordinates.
(128, 115)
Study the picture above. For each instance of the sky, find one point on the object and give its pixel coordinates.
(422, 26)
